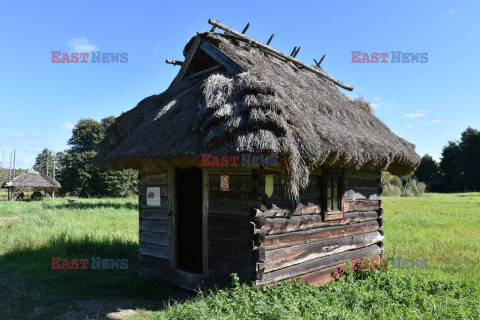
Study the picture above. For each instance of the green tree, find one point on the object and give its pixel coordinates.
(460, 164)
(428, 171)
(79, 175)
(45, 157)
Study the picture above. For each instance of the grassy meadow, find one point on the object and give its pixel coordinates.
(445, 229)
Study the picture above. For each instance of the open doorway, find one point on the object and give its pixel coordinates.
(189, 219)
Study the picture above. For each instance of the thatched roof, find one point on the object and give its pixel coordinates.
(32, 179)
(274, 107)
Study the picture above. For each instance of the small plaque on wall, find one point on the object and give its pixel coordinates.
(224, 183)
(153, 196)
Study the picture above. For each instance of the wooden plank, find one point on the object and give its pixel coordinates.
(241, 183)
(154, 226)
(318, 264)
(232, 206)
(364, 174)
(322, 277)
(172, 213)
(154, 250)
(241, 195)
(205, 210)
(154, 238)
(154, 179)
(352, 183)
(221, 268)
(361, 205)
(203, 72)
(284, 257)
(188, 59)
(301, 237)
(309, 207)
(240, 224)
(154, 214)
(234, 250)
(305, 222)
(353, 194)
(221, 57)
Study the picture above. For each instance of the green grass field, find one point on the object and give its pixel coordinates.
(445, 229)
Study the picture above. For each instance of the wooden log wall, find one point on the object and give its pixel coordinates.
(268, 239)
(298, 242)
(154, 225)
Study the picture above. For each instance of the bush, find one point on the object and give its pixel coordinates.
(394, 187)
(388, 178)
(413, 188)
(391, 190)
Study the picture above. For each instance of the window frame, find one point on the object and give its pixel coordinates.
(333, 214)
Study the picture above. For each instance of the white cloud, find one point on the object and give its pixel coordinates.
(414, 115)
(18, 136)
(408, 125)
(37, 135)
(434, 121)
(382, 103)
(67, 126)
(452, 11)
(81, 44)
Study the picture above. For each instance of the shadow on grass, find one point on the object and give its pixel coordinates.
(99, 204)
(30, 287)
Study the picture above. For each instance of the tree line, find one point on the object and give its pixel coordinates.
(74, 168)
(458, 169)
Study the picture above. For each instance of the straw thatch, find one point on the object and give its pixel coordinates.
(272, 108)
(32, 179)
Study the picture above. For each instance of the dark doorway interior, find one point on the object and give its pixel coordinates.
(189, 219)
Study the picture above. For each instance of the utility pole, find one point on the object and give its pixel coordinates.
(3, 163)
(10, 170)
(54, 158)
(14, 156)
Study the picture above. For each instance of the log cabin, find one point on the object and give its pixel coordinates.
(211, 200)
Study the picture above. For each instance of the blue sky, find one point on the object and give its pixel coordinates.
(427, 104)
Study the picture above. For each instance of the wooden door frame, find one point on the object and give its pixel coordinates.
(173, 220)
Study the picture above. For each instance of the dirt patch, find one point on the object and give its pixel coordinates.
(116, 309)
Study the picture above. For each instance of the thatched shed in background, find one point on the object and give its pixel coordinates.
(305, 216)
(30, 179)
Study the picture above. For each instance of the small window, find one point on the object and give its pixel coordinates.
(333, 200)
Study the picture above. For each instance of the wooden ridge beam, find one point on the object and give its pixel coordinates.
(201, 73)
(280, 54)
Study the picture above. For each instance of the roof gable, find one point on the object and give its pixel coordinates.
(203, 58)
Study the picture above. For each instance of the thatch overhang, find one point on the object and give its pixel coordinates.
(32, 179)
(252, 102)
